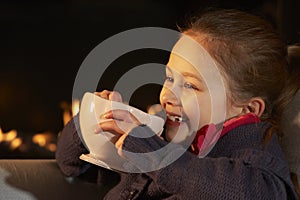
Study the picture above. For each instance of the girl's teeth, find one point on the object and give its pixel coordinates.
(175, 118)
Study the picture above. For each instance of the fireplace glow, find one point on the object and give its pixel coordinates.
(69, 110)
(75, 107)
(7, 137)
(18, 142)
(45, 140)
(10, 138)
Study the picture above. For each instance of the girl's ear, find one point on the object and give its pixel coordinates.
(256, 105)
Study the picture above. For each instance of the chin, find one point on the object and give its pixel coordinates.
(177, 134)
(170, 134)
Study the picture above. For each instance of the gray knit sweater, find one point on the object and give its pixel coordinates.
(238, 167)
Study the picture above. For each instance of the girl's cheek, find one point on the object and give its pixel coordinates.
(161, 97)
(198, 109)
(192, 111)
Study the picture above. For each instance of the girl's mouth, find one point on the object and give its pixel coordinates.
(175, 120)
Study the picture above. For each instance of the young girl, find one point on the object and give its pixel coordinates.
(246, 162)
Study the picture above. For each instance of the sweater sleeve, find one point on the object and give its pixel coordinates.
(69, 148)
(218, 178)
(242, 176)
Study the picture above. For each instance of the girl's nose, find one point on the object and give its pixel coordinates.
(169, 97)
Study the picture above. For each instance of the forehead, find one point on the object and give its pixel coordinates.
(188, 56)
(177, 64)
(188, 52)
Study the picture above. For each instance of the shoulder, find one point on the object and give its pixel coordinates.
(245, 143)
(250, 136)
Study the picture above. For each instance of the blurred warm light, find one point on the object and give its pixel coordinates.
(11, 141)
(1, 135)
(46, 139)
(75, 107)
(51, 147)
(15, 143)
(39, 139)
(11, 135)
(42, 139)
(69, 110)
(67, 115)
(7, 137)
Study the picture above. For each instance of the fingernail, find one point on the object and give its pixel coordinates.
(97, 130)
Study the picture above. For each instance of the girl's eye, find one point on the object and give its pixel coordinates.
(190, 86)
(169, 79)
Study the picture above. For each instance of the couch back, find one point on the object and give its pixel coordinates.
(42, 180)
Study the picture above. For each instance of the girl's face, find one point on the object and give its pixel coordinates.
(187, 99)
(184, 93)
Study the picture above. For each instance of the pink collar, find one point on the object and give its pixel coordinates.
(206, 135)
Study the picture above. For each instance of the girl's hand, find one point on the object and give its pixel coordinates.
(110, 95)
(121, 123)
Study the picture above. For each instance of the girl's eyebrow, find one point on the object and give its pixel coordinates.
(168, 68)
(191, 75)
(187, 74)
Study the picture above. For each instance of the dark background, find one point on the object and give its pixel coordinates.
(43, 44)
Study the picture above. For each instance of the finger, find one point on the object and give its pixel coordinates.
(110, 126)
(98, 129)
(119, 144)
(122, 115)
(115, 96)
(116, 127)
(110, 95)
(103, 94)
